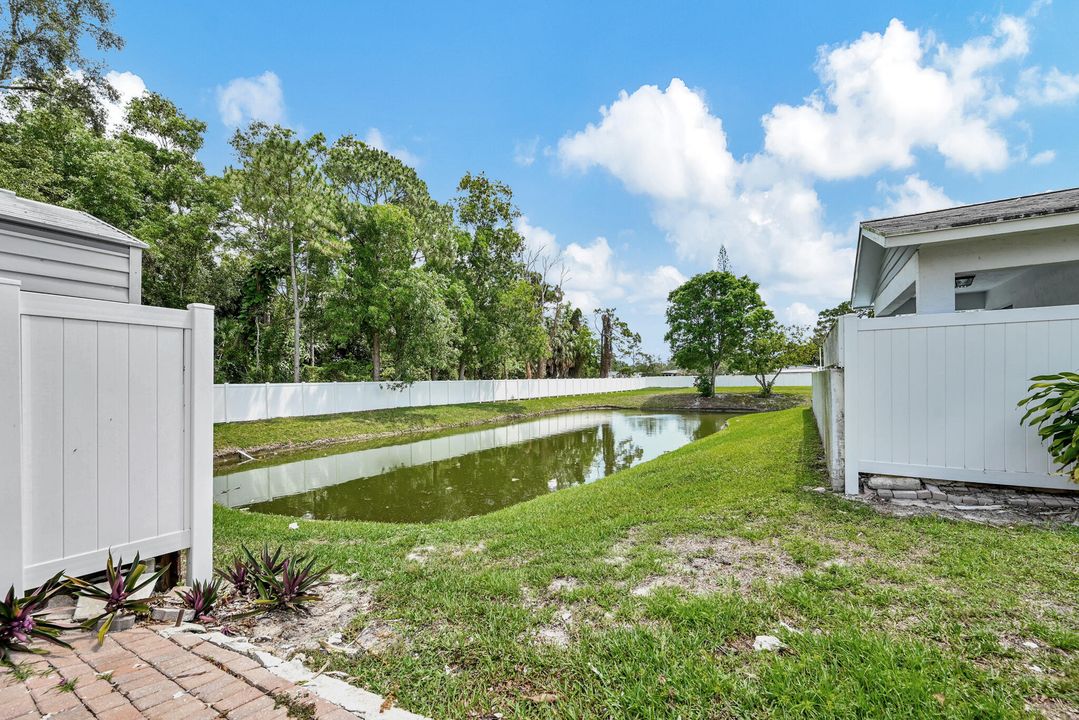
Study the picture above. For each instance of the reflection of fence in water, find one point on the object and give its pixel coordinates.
(247, 487)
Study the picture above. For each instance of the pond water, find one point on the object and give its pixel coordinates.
(456, 475)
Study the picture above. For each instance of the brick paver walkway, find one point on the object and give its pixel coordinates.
(140, 674)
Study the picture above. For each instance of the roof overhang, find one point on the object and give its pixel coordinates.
(872, 245)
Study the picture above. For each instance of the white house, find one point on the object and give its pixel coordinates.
(106, 425)
(969, 304)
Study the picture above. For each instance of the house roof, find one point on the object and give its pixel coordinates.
(1017, 208)
(53, 217)
(881, 241)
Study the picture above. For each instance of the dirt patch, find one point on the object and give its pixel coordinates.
(426, 553)
(723, 402)
(1052, 708)
(706, 565)
(285, 633)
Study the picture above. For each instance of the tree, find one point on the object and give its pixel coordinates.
(285, 210)
(616, 340)
(723, 261)
(708, 318)
(768, 348)
(41, 54)
(488, 261)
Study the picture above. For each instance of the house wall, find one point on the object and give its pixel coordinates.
(58, 263)
(1037, 287)
(935, 396)
(939, 263)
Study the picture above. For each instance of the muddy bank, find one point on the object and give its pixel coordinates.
(228, 455)
(723, 402)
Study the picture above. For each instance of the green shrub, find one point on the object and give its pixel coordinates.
(1053, 407)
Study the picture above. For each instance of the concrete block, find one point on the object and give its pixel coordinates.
(905, 494)
(119, 623)
(887, 482)
(170, 614)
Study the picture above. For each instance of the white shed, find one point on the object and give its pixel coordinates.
(969, 304)
(60, 251)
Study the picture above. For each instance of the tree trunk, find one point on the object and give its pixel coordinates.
(605, 350)
(376, 355)
(297, 331)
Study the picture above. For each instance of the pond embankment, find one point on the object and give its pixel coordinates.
(263, 437)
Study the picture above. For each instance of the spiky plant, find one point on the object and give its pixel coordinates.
(294, 587)
(119, 596)
(265, 563)
(21, 622)
(238, 574)
(202, 596)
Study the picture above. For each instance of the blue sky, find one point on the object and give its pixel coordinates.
(768, 128)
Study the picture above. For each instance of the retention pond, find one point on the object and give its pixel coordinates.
(458, 474)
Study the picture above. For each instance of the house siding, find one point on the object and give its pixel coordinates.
(60, 264)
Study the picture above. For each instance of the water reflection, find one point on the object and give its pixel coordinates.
(465, 474)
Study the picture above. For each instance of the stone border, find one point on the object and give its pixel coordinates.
(331, 689)
(963, 495)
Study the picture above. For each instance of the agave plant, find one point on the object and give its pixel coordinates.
(1053, 407)
(21, 622)
(238, 574)
(293, 586)
(119, 595)
(202, 597)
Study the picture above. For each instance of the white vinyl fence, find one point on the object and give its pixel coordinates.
(237, 403)
(106, 442)
(935, 396)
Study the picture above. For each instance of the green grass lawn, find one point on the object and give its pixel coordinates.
(264, 434)
(918, 618)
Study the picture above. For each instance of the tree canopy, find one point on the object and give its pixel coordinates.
(708, 320)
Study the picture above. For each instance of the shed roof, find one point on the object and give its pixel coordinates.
(53, 217)
(879, 239)
(1017, 208)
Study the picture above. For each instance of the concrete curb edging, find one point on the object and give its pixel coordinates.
(331, 689)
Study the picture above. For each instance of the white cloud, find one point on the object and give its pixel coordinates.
(1048, 88)
(913, 195)
(243, 100)
(798, 313)
(667, 145)
(539, 242)
(592, 276)
(1044, 157)
(662, 143)
(886, 95)
(128, 86)
(524, 151)
(375, 139)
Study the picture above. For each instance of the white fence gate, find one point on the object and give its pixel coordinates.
(935, 396)
(107, 435)
(241, 402)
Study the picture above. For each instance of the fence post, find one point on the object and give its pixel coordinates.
(201, 442)
(848, 328)
(11, 550)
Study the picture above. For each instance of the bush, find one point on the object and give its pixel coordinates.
(705, 385)
(1053, 407)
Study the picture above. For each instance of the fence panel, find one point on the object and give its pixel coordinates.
(116, 407)
(240, 402)
(935, 396)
